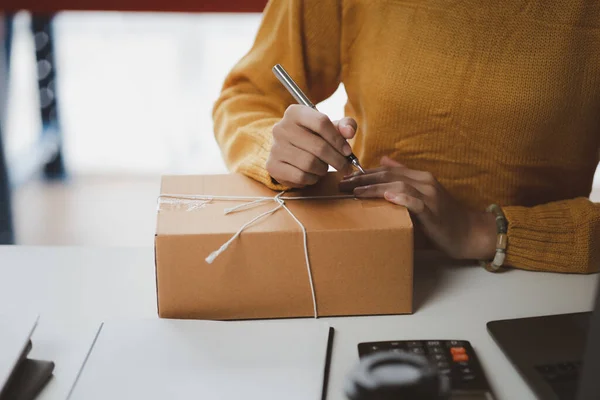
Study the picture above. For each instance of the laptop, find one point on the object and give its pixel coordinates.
(557, 355)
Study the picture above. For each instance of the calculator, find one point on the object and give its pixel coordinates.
(453, 358)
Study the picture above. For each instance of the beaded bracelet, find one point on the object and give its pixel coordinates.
(501, 240)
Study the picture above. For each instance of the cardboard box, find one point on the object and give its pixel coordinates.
(361, 253)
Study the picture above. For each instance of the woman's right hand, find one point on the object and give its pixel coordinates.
(305, 143)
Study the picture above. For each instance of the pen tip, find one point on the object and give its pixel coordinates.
(357, 165)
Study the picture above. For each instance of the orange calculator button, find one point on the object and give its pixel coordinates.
(460, 357)
(457, 350)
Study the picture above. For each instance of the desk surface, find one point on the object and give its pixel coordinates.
(74, 289)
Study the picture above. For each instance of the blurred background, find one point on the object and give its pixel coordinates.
(133, 97)
(100, 104)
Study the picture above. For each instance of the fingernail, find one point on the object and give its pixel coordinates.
(347, 150)
(389, 196)
(360, 190)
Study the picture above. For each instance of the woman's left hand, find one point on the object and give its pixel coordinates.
(459, 232)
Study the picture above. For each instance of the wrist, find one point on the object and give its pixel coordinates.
(482, 236)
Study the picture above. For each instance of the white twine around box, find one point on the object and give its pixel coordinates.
(253, 201)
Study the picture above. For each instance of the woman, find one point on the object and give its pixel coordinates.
(454, 105)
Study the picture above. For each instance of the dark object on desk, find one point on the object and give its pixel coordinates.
(454, 361)
(29, 379)
(392, 375)
(550, 353)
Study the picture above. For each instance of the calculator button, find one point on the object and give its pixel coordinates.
(437, 357)
(395, 344)
(463, 364)
(374, 348)
(460, 357)
(433, 343)
(443, 365)
(445, 371)
(466, 371)
(468, 378)
(418, 350)
(454, 343)
(457, 350)
(436, 350)
(414, 344)
(397, 350)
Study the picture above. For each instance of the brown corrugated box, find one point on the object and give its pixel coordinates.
(361, 253)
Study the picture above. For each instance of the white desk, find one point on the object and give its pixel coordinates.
(74, 289)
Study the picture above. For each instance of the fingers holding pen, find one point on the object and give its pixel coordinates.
(346, 127)
(302, 139)
(301, 159)
(320, 124)
(298, 155)
(303, 128)
(290, 175)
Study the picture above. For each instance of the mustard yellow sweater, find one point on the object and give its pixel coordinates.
(500, 102)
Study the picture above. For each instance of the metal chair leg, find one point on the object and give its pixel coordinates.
(41, 26)
(6, 227)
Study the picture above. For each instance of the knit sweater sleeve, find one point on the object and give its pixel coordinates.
(304, 37)
(562, 236)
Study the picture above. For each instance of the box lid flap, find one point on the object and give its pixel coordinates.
(178, 216)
